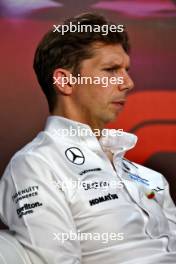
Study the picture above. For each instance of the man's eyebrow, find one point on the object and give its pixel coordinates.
(115, 66)
(111, 65)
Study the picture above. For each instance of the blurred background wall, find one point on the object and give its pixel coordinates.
(151, 109)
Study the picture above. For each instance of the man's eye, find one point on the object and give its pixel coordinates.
(111, 69)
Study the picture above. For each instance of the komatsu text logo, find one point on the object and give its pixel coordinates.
(103, 198)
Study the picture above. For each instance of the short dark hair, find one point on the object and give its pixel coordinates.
(68, 50)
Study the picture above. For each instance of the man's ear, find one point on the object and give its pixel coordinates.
(61, 81)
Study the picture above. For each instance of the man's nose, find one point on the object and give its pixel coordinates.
(127, 83)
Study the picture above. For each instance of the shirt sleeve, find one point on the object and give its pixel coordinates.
(34, 206)
(169, 206)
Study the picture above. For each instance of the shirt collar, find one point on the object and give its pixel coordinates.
(117, 143)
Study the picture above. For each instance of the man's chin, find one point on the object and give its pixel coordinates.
(111, 117)
(114, 118)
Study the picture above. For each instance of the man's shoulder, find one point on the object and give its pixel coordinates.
(41, 146)
(33, 152)
(43, 153)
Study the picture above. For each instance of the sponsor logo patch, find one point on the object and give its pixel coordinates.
(103, 199)
(95, 185)
(138, 179)
(89, 170)
(25, 193)
(158, 189)
(27, 208)
(75, 155)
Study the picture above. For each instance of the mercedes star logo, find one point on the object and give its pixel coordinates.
(75, 155)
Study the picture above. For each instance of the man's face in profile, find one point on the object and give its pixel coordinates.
(99, 103)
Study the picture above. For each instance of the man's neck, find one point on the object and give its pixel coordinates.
(93, 123)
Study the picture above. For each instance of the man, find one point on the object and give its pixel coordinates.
(60, 187)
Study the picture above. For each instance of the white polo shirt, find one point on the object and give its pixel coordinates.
(68, 204)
